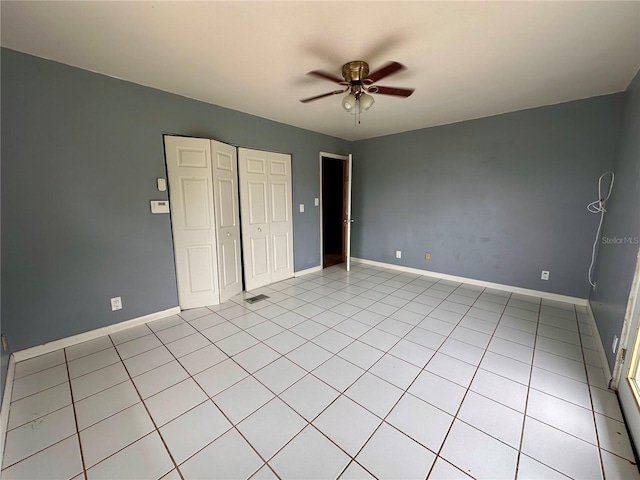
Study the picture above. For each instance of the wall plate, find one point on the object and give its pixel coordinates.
(159, 206)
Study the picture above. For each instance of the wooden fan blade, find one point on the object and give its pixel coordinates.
(398, 92)
(317, 97)
(385, 71)
(326, 76)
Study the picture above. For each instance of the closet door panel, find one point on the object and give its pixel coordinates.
(193, 220)
(225, 180)
(281, 225)
(255, 208)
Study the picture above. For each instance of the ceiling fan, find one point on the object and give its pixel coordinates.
(360, 83)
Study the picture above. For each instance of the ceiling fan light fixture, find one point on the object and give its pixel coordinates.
(350, 102)
(366, 101)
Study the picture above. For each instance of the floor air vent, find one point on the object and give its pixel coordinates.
(255, 299)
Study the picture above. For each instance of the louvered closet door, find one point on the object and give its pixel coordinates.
(266, 207)
(193, 220)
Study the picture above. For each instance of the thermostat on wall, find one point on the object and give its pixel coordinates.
(159, 206)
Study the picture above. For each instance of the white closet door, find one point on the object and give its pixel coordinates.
(225, 189)
(281, 225)
(267, 226)
(254, 202)
(193, 220)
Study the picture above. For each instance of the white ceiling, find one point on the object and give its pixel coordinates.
(465, 59)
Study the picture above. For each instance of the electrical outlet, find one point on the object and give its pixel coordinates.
(398, 254)
(545, 275)
(427, 256)
(5, 347)
(615, 343)
(116, 303)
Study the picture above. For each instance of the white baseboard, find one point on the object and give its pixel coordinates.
(90, 335)
(603, 356)
(307, 271)
(473, 281)
(6, 403)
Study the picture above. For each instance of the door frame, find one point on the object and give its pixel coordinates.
(630, 329)
(627, 360)
(334, 156)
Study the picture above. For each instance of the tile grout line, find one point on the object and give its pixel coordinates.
(384, 352)
(234, 425)
(404, 392)
(209, 399)
(526, 401)
(42, 416)
(593, 410)
(306, 340)
(468, 388)
(310, 423)
(559, 398)
(35, 373)
(175, 466)
(75, 417)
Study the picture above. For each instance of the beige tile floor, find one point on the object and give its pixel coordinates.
(371, 374)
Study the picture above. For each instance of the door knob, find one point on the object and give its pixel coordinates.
(259, 229)
(352, 221)
(228, 234)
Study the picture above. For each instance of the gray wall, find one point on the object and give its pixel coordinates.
(497, 199)
(616, 262)
(80, 156)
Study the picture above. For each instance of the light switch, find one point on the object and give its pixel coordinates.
(302, 208)
(162, 185)
(317, 201)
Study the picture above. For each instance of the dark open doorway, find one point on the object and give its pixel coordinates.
(334, 207)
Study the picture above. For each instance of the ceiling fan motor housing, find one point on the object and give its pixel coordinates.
(355, 72)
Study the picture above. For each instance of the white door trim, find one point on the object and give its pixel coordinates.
(629, 329)
(337, 157)
(349, 220)
(622, 368)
